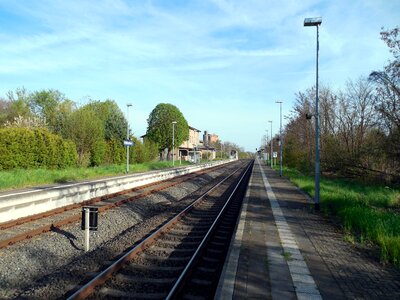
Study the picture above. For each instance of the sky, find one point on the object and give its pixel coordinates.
(223, 63)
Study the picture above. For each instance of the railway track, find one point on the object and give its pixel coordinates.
(25, 228)
(181, 259)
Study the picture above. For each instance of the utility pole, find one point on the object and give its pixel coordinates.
(272, 147)
(280, 137)
(316, 22)
(127, 137)
(173, 143)
(266, 144)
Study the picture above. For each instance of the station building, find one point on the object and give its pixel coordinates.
(194, 149)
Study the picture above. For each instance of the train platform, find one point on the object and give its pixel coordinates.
(284, 250)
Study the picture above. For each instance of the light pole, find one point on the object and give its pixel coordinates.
(127, 137)
(266, 145)
(272, 147)
(316, 22)
(280, 137)
(173, 143)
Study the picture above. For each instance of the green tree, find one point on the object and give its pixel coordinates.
(19, 104)
(43, 104)
(137, 152)
(159, 126)
(115, 152)
(85, 129)
(150, 150)
(51, 106)
(113, 125)
(112, 117)
(64, 111)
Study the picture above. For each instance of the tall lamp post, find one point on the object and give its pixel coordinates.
(127, 136)
(280, 138)
(316, 22)
(266, 144)
(272, 147)
(173, 143)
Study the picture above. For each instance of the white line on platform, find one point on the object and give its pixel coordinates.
(304, 283)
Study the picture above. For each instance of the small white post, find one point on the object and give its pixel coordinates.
(87, 213)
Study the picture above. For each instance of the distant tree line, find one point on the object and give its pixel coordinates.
(45, 129)
(359, 125)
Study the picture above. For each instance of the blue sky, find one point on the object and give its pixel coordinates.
(222, 63)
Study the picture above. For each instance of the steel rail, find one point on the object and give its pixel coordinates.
(104, 275)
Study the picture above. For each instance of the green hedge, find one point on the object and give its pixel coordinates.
(26, 148)
(114, 152)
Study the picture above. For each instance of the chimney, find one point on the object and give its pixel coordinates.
(205, 138)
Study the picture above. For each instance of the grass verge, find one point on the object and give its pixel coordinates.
(20, 178)
(368, 213)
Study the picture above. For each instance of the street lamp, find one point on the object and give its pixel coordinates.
(127, 137)
(272, 142)
(280, 137)
(173, 143)
(266, 144)
(316, 22)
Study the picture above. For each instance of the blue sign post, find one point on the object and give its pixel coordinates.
(128, 143)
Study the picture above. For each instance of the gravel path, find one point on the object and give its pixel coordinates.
(51, 264)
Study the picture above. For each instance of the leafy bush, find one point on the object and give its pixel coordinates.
(143, 152)
(97, 153)
(26, 148)
(114, 152)
(70, 155)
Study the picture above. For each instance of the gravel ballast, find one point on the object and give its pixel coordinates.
(49, 265)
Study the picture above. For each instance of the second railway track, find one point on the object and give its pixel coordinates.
(25, 228)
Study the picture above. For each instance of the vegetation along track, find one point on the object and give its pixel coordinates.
(21, 229)
(184, 257)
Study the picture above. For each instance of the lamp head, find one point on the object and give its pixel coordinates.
(312, 21)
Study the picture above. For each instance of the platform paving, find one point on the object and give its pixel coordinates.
(284, 250)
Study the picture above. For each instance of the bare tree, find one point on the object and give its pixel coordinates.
(387, 83)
